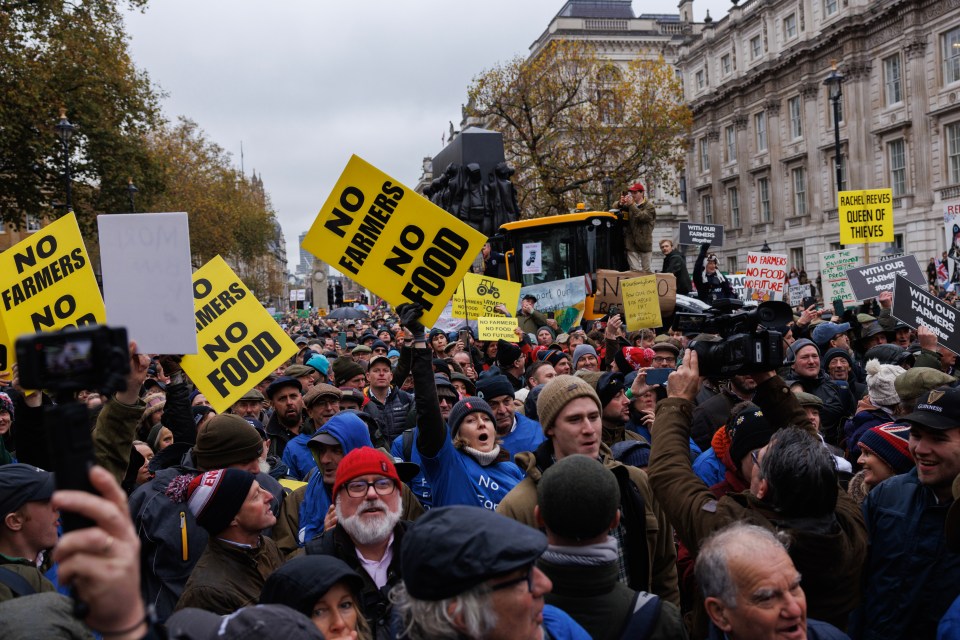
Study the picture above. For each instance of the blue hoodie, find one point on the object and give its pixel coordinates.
(527, 436)
(418, 484)
(352, 433)
(297, 456)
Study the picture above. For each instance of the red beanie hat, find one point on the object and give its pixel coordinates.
(364, 461)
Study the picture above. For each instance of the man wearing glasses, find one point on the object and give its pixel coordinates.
(665, 355)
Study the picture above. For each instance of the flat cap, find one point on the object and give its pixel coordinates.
(320, 390)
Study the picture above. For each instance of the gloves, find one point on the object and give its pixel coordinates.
(170, 364)
(410, 319)
(704, 248)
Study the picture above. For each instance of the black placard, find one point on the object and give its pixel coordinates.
(915, 307)
(870, 281)
(696, 234)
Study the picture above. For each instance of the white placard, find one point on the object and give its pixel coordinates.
(530, 255)
(147, 279)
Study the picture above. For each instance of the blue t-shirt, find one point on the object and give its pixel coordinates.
(418, 484)
(527, 436)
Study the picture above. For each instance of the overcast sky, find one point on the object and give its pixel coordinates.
(306, 83)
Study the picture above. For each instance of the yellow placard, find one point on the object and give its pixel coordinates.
(239, 343)
(866, 216)
(641, 304)
(483, 294)
(389, 239)
(47, 283)
(497, 328)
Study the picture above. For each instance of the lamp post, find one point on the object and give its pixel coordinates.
(65, 132)
(608, 189)
(765, 248)
(131, 191)
(835, 82)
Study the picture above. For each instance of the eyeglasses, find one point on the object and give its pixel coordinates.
(359, 488)
(755, 456)
(526, 577)
(660, 359)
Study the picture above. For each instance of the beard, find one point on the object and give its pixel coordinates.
(369, 530)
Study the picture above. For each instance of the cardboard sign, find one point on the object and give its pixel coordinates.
(798, 292)
(833, 276)
(869, 281)
(866, 216)
(608, 290)
(697, 234)
(564, 298)
(240, 344)
(46, 284)
(145, 259)
(394, 242)
(641, 304)
(483, 294)
(914, 306)
(497, 328)
(766, 276)
(532, 256)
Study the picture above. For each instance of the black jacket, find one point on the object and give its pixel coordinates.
(675, 263)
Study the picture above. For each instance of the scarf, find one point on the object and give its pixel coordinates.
(484, 459)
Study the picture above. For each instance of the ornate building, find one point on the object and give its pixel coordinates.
(761, 158)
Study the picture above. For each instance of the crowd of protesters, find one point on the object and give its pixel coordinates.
(392, 480)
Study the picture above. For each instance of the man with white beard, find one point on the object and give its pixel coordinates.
(368, 532)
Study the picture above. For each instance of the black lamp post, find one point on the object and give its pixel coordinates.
(65, 132)
(131, 191)
(608, 189)
(765, 248)
(835, 82)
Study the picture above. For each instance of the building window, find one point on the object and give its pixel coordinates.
(704, 154)
(33, 223)
(725, 64)
(706, 206)
(796, 258)
(835, 246)
(953, 152)
(756, 47)
(897, 158)
(733, 198)
(732, 264)
(799, 191)
(763, 198)
(795, 106)
(700, 80)
(892, 80)
(829, 7)
(951, 56)
(760, 126)
(790, 26)
(730, 146)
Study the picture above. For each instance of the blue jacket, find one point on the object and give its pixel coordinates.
(709, 467)
(527, 436)
(352, 433)
(560, 626)
(816, 630)
(949, 628)
(298, 458)
(910, 579)
(418, 484)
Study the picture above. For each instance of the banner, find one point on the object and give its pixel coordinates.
(833, 276)
(497, 328)
(697, 234)
(240, 344)
(866, 216)
(641, 304)
(869, 281)
(766, 276)
(483, 294)
(145, 258)
(951, 229)
(914, 306)
(564, 298)
(46, 284)
(608, 290)
(394, 242)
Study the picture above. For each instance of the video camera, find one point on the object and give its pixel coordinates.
(751, 340)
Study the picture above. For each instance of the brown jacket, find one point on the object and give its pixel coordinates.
(113, 435)
(662, 554)
(640, 221)
(828, 552)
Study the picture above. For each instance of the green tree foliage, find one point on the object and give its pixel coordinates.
(570, 118)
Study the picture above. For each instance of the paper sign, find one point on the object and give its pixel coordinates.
(497, 328)
(483, 294)
(641, 304)
(564, 298)
(697, 234)
(916, 307)
(531, 256)
(869, 281)
(951, 229)
(737, 281)
(833, 276)
(866, 216)
(798, 292)
(608, 290)
(240, 344)
(394, 242)
(46, 284)
(147, 279)
(766, 276)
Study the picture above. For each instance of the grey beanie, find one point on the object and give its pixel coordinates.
(465, 407)
(582, 350)
(578, 498)
(795, 348)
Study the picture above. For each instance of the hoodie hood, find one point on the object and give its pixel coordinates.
(348, 429)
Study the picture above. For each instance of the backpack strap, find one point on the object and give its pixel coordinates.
(645, 613)
(407, 444)
(16, 583)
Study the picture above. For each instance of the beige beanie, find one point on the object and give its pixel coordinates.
(880, 383)
(557, 393)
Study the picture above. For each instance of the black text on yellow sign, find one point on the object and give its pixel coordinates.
(866, 216)
(391, 240)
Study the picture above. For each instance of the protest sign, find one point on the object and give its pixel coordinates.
(766, 276)
(866, 216)
(564, 298)
(916, 307)
(240, 344)
(641, 304)
(483, 294)
(798, 292)
(145, 259)
(46, 284)
(608, 290)
(394, 242)
(869, 281)
(951, 229)
(833, 276)
(737, 281)
(697, 234)
(531, 253)
(497, 328)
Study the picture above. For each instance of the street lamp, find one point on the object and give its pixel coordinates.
(65, 132)
(131, 191)
(835, 82)
(765, 248)
(608, 189)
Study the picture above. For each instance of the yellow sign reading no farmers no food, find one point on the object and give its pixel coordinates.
(866, 216)
(391, 240)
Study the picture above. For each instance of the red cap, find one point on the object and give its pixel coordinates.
(636, 186)
(364, 461)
